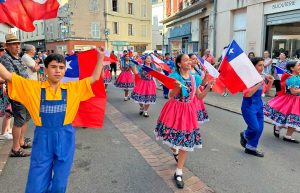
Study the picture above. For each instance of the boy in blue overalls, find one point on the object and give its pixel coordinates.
(53, 106)
(252, 111)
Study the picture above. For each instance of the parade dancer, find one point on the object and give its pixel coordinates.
(284, 110)
(107, 75)
(252, 111)
(197, 72)
(125, 80)
(144, 91)
(53, 106)
(177, 124)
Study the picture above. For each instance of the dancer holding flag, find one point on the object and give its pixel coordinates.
(284, 110)
(252, 111)
(53, 106)
(125, 80)
(177, 124)
(199, 73)
(144, 91)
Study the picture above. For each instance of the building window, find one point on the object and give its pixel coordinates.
(239, 27)
(94, 5)
(43, 28)
(130, 30)
(204, 34)
(95, 32)
(115, 28)
(115, 5)
(130, 8)
(51, 31)
(144, 10)
(36, 30)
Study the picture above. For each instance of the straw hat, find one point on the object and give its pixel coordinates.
(11, 38)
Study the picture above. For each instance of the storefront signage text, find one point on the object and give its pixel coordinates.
(281, 6)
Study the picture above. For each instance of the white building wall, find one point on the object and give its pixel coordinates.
(4, 29)
(157, 27)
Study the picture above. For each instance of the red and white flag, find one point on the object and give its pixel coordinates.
(22, 13)
(160, 63)
(237, 71)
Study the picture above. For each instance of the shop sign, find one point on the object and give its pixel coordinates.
(181, 30)
(120, 43)
(281, 6)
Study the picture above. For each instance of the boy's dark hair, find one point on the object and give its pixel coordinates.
(255, 60)
(54, 57)
(166, 54)
(291, 64)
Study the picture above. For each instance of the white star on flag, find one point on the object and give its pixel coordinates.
(68, 65)
(231, 51)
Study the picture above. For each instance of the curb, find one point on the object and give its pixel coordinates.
(4, 154)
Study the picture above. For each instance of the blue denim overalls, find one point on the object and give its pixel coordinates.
(252, 110)
(53, 148)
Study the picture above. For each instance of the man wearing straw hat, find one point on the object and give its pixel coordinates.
(13, 63)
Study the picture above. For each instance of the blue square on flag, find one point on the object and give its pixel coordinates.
(234, 51)
(72, 66)
(2, 1)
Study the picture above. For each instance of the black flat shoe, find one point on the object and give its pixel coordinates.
(290, 140)
(276, 132)
(243, 140)
(179, 184)
(254, 152)
(175, 157)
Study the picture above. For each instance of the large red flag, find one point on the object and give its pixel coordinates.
(91, 112)
(22, 13)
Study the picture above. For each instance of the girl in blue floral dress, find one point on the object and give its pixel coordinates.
(284, 111)
(177, 125)
(144, 91)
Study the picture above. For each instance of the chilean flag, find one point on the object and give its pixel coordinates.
(236, 71)
(91, 112)
(22, 13)
(167, 81)
(219, 86)
(109, 58)
(160, 63)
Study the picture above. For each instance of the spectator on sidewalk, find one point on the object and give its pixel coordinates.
(32, 66)
(267, 62)
(281, 64)
(13, 63)
(209, 58)
(251, 55)
(5, 107)
(113, 65)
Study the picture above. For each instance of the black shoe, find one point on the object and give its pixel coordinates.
(254, 152)
(179, 184)
(141, 112)
(243, 140)
(19, 153)
(166, 97)
(175, 157)
(290, 140)
(276, 132)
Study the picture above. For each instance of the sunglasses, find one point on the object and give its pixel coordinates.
(1, 49)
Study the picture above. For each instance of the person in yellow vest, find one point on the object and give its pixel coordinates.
(53, 106)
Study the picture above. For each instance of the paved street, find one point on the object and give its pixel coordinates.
(119, 157)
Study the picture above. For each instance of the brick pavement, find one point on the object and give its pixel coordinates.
(160, 160)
